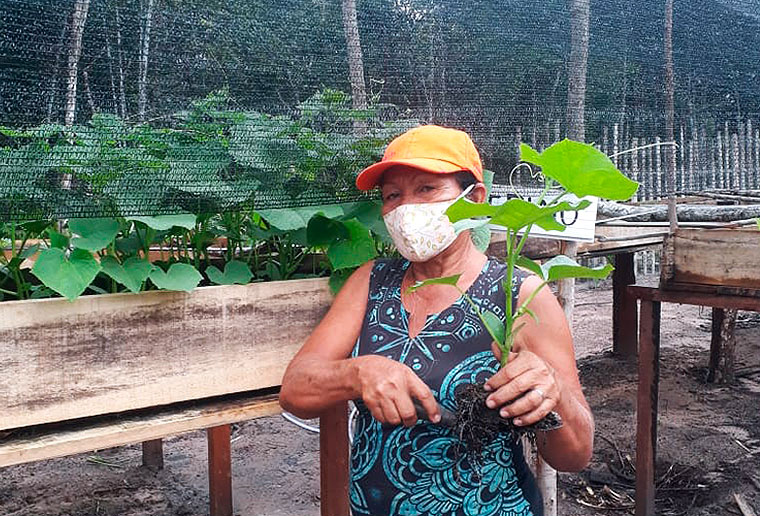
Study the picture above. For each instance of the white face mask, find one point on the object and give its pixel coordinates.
(422, 231)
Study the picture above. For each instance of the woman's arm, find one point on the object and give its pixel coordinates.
(321, 374)
(542, 376)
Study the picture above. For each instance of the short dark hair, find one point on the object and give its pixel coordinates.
(465, 178)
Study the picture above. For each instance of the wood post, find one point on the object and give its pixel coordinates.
(333, 460)
(219, 471)
(646, 406)
(153, 454)
(624, 307)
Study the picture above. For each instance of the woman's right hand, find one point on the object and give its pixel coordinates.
(387, 388)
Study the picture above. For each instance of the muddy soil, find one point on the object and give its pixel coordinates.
(708, 449)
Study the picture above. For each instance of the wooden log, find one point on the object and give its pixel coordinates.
(718, 257)
(686, 212)
(333, 452)
(153, 454)
(722, 365)
(219, 471)
(113, 353)
(624, 307)
(646, 406)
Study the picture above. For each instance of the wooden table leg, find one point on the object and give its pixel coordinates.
(333, 461)
(718, 315)
(220, 470)
(646, 406)
(153, 454)
(624, 308)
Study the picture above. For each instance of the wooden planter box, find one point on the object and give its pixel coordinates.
(712, 260)
(62, 360)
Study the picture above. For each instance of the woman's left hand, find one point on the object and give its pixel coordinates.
(526, 389)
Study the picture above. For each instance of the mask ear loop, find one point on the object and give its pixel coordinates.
(464, 192)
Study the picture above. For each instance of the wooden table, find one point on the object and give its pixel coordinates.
(649, 372)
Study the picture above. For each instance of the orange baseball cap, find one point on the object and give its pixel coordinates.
(430, 148)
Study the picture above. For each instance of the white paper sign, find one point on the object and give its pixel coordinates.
(580, 225)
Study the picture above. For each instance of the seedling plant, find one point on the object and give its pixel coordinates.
(567, 167)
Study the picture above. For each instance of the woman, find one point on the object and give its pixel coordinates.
(383, 347)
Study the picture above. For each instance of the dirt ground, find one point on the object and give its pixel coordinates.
(708, 449)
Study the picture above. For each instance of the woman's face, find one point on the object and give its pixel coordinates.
(408, 185)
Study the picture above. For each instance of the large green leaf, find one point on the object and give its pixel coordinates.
(323, 231)
(132, 273)
(369, 213)
(69, 276)
(466, 209)
(355, 250)
(290, 219)
(180, 276)
(166, 222)
(235, 272)
(516, 214)
(581, 169)
(93, 234)
(561, 267)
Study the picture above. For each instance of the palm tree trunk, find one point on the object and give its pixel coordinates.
(355, 61)
(78, 21)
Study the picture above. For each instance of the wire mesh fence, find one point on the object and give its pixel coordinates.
(115, 107)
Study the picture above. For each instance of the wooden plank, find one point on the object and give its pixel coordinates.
(50, 441)
(153, 454)
(333, 459)
(114, 353)
(624, 307)
(686, 297)
(219, 471)
(720, 257)
(646, 406)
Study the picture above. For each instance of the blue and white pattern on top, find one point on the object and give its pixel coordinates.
(421, 471)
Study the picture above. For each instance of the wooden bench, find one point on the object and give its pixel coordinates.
(149, 426)
(120, 369)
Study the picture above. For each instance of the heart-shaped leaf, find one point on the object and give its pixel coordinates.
(581, 169)
(69, 276)
(353, 251)
(132, 273)
(166, 222)
(323, 231)
(235, 272)
(289, 219)
(517, 214)
(180, 277)
(58, 240)
(561, 267)
(93, 234)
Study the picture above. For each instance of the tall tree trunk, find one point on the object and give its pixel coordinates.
(78, 21)
(670, 155)
(577, 67)
(52, 93)
(145, 28)
(109, 55)
(120, 52)
(355, 61)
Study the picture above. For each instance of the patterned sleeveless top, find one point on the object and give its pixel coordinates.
(421, 470)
